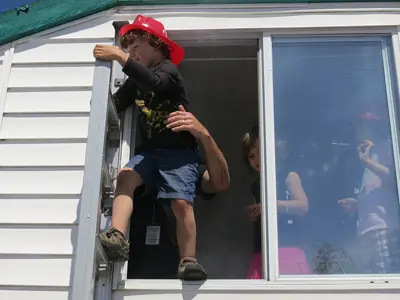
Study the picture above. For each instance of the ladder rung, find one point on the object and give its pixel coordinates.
(113, 117)
(107, 180)
(113, 134)
(101, 257)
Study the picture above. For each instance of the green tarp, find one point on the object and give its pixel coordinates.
(45, 14)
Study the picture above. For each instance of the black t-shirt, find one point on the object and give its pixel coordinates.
(155, 261)
(289, 234)
(157, 92)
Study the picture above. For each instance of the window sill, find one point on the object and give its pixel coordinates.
(280, 286)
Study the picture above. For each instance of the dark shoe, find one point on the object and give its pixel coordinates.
(115, 245)
(190, 269)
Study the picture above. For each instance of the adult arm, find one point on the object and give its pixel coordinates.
(204, 193)
(216, 178)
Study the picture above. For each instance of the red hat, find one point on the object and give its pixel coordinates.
(155, 27)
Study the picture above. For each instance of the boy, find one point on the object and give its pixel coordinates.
(167, 158)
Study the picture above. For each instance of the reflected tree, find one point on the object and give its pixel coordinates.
(332, 259)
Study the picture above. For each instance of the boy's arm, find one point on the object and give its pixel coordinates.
(125, 95)
(148, 80)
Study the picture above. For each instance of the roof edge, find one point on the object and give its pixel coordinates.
(42, 15)
(45, 14)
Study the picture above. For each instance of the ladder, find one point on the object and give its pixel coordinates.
(91, 274)
(104, 133)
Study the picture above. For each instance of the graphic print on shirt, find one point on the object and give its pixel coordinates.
(153, 113)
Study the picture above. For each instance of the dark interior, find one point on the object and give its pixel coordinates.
(222, 87)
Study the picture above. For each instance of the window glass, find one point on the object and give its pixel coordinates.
(338, 204)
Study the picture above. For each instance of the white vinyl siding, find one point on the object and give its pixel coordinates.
(35, 271)
(40, 240)
(48, 101)
(39, 210)
(51, 76)
(11, 294)
(44, 127)
(42, 156)
(43, 51)
(40, 181)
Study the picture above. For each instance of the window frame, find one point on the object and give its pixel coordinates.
(335, 26)
(389, 67)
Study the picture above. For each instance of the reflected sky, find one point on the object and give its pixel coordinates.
(331, 96)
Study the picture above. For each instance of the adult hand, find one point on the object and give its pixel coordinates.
(253, 211)
(182, 120)
(349, 205)
(364, 150)
(107, 52)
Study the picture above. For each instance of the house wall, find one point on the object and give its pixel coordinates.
(42, 148)
(42, 155)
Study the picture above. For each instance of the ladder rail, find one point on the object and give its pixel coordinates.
(87, 244)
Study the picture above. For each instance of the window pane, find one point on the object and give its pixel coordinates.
(338, 206)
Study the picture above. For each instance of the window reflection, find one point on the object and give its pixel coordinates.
(333, 150)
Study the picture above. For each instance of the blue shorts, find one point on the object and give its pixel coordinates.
(174, 172)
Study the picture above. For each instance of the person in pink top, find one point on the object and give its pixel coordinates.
(292, 204)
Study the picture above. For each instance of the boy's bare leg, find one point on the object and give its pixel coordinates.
(185, 227)
(127, 181)
(188, 269)
(113, 239)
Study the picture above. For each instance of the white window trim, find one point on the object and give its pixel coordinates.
(207, 23)
(393, 89)
(260, 285)
(267, 175)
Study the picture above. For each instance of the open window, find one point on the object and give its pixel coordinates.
(222, 85)
(319, 99)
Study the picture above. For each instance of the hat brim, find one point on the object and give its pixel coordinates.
(177, 52)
